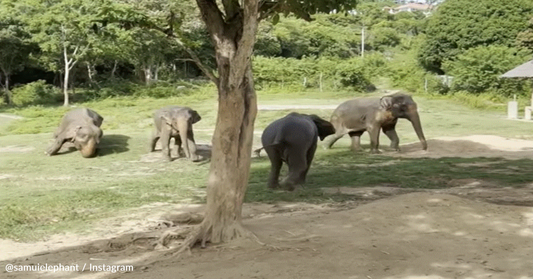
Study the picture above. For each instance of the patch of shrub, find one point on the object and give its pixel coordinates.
(311, 72)
(36, 93)
(477, 70)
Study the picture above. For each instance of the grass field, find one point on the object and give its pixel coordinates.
(40, 195)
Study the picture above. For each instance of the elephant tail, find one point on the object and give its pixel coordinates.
(257, 152)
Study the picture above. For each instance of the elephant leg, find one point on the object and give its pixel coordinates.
(154, 139)
(356, 140)
(390, 132)
(192, 145)
(187, 137)
(165, 142)
(374, 138)
(177, 146)
(310, 156)
(297, 161)
(56, 146)
(275, 167)
(329, 141)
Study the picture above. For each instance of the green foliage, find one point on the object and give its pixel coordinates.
(354, 73)
(459, 25)
(36, 93)
(525, 38)
(406, 73)
(478, 69)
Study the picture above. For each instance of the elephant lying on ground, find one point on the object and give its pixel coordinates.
(175, 122)
(356, 116)
(82, 127)
(293, 140)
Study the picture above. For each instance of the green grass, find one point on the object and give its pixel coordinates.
(40, 195)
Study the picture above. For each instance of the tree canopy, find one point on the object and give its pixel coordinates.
(459, 25)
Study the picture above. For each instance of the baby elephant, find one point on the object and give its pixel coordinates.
(82, 127)
(293, 140)
(175, 122)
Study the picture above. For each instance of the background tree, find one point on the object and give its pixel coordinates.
(525, 38)
(478, 69)
(14, 51)
(62, 29)
(459, 25)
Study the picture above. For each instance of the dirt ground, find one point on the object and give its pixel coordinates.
(471, 230)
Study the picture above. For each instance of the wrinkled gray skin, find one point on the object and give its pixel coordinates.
(175, 122)
(82, 127)
(356, 116)
(293, 140)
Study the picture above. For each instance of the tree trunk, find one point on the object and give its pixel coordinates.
(65, 85)
(9, 96)
(114, 69)
(237, 109)
(230, 161)
(89, 72)
(147, 75)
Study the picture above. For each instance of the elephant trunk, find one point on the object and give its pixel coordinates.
(88, 150)
(415, 120)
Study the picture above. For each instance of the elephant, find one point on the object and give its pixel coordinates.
(82, 127)
(293, 140)
(175, 122)
(356, 116)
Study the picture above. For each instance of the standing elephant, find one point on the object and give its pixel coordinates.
(293, 140)
(356, 116)
(82, 127)
(175, 122)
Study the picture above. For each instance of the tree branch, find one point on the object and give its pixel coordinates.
(266, 8)
(212, 17)
(231, 8)
(247, 41)
(205, 69)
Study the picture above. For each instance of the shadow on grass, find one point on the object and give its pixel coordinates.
(340, 167)
(113, 144)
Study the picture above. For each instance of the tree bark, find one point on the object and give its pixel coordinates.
(230, 162)
(237, 109)
(65, 84)
(9, 96)
(114, 69)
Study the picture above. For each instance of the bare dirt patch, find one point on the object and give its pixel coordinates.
(469, 147)
(16, 149)
(416, 235)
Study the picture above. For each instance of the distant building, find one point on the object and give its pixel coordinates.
(411, 7)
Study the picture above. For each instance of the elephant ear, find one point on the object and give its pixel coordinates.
(386, 102)
(195, 116)
(75, 133)
(325, 128)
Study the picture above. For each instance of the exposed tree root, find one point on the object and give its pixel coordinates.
(205, 233)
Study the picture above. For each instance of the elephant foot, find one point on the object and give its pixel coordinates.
(195, 159)
(273, 186)
(375, 151)
(289, 185)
